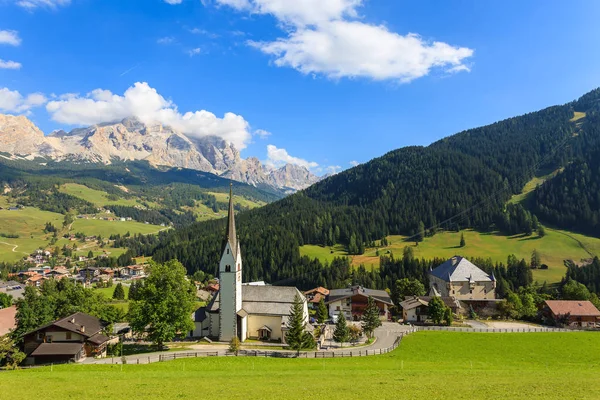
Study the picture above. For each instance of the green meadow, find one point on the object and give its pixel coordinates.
(554, 248)
(96, 197)
(427, 365)
(107, 228)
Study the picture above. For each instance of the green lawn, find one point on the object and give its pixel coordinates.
(427, 365)
(107, 228)
(29, 224)
(554, 248)
(323, 253)
(94, 196)
(108, 292)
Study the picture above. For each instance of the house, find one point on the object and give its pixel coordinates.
(89, 272)
(460, 278)
(314, 296)
(351, 302)
(36, 280)
(8, 321)
(573, 313)
(416, 308)
(212, 288)
(241, 310)
(71, 338)
(133, 271)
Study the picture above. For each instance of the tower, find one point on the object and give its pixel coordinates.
(230, 280)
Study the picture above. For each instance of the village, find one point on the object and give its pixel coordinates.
(232, 314)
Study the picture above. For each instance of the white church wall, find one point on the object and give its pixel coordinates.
(255, 322)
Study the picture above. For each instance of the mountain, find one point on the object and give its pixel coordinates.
(463, 181)
(131, 139)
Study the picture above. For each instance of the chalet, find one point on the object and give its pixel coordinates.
(36, 280)
(351, 302)
(416, 308)
(314, 296)
(460, 278)
(134, 271)
(572, 313)
(89, 272)
(212, 288)
(68, 339)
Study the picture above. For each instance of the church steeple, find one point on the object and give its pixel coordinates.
(231, 233)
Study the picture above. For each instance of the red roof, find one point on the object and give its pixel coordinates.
(7, 320)
(321, 290)
(577, 308)
(213, 287)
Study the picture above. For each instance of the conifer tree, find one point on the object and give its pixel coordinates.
(296, 337)
(341, 333)
(119, 293)
(462, 240)
(370, 318)
(322, 313)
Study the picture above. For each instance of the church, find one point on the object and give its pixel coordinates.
(250, 310)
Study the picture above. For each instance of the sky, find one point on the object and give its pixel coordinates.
(325, 84)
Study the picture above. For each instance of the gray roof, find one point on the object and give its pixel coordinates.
(57, 349)
(415, 301)
(339, 294)
(459, 269)
(264, 300)
(75, 322)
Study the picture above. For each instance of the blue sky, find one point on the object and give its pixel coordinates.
(332, 81)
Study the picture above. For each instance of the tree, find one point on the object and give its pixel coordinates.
(322, 313)
(164, 304)
(407, 287)
(119, 293)
(296, 337)
(462, 240)
(90, 254)
(10, 356)
(341, 332)
(354, 333)
(448, 318)
(536, 259)
(421, 232)
(6, 300)
(573, 290)
(370, 318)
(541, 231)
(235, 345)
(436, 310)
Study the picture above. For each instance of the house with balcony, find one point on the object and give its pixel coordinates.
(351, 302)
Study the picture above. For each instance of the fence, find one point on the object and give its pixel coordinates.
(491, 330)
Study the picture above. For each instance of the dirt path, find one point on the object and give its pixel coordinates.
(14, 247)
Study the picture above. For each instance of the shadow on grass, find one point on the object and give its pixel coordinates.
(530, 238)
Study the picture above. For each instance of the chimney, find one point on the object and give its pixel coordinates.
(82, 329)
(73, 320)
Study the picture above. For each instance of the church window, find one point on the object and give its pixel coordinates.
(228, 268)
(227, 251)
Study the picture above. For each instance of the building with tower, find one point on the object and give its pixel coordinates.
(250, 310)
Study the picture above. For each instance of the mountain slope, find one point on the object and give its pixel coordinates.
(459, 182)
(160, 145)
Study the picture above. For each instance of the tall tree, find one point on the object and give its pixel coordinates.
(536, 259)
(297, 337)
(10, 356)
(370, 318)
(322, 313)
(119, 292)
(407, 287)
(341, 333)
(436, 310)
(164, 304)
(463, 243)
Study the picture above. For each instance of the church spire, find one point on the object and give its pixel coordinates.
(231, 233)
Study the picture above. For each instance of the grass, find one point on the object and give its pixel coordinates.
(96, 197)
(323, 253)
(427, 365)
(107, 228)
(204, 213)
(554, 248)
(531, 186)
(577, 116)
(108, 292)
(29, 224)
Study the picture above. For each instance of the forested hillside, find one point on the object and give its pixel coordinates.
(459, 182)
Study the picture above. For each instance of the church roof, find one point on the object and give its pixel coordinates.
(459, 269)
(231, 233)
(264, 300)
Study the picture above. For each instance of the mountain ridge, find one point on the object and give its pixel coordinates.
(160, 145)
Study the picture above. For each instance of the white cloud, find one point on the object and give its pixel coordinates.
(333, 169)
(279, 157)
(203, 32)
(354, 163)
(262, 133)
(194, 52)
(144, 102)
(13, 101)
(9, 64)
(33, 4)
(10, 37)
(325, 37)
(166, 40)
(172, 2)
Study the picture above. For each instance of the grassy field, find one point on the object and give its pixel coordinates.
(108, 292)
(96, 197)
(427, 365)
(107, 228)
(29, 224)
(555, 247)
(204, 213)
(577, 116)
